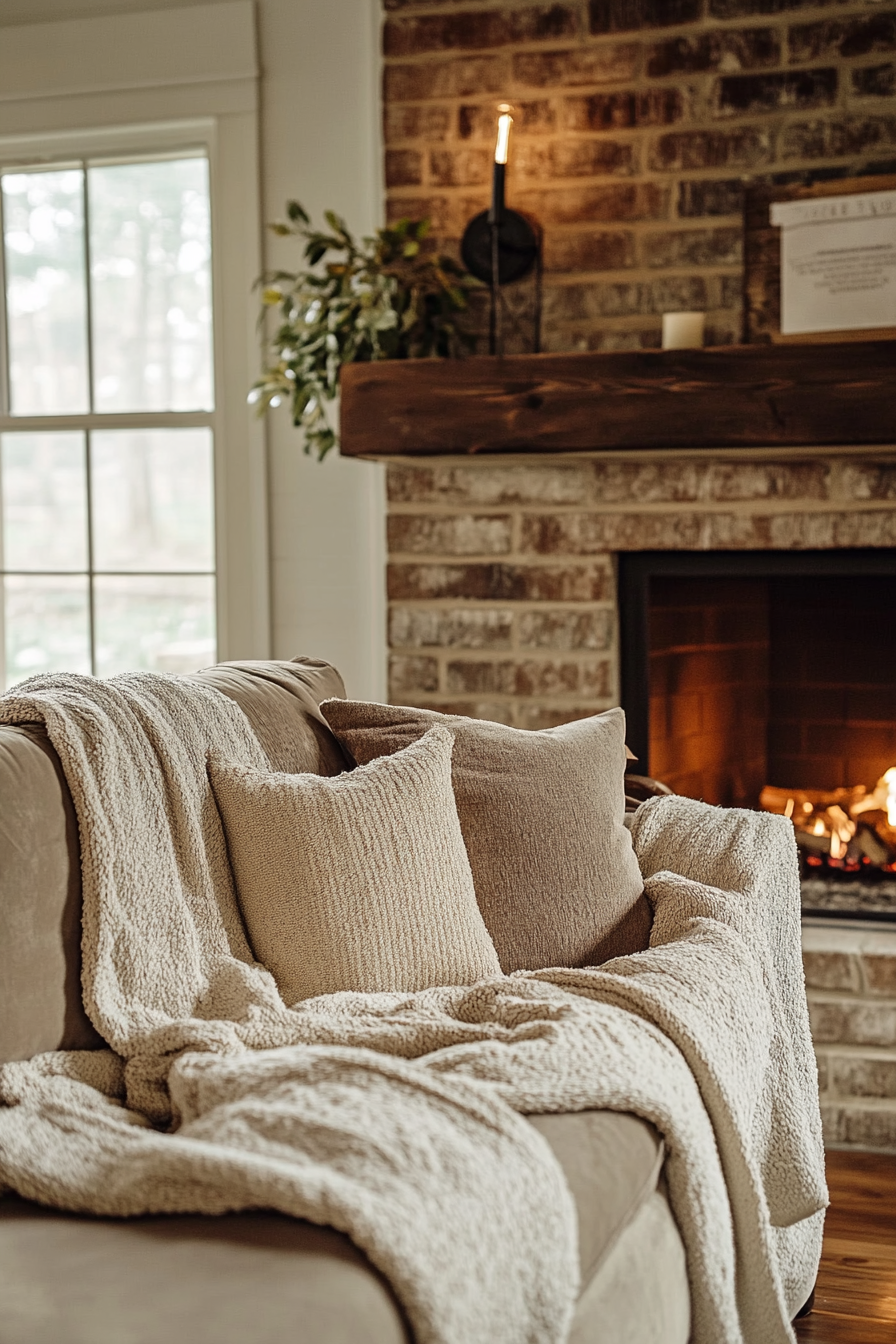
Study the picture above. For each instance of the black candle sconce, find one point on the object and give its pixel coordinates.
(500, 245)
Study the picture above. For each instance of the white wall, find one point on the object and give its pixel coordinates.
(320, 144)
(320, 122)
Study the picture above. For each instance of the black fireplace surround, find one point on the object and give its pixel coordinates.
(764, 667)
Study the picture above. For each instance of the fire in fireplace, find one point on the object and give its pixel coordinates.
(845, 830)
(768, 680)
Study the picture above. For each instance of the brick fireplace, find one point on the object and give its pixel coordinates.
(503, 604)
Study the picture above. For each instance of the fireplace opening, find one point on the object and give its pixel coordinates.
(768, 680)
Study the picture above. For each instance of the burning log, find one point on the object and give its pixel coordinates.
(849, 829)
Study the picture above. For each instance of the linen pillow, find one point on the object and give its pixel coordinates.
(360, 882)
(542, 814)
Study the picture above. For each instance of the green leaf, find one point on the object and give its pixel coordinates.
(336, 223)
(296, 213)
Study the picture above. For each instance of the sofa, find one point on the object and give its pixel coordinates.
(260, 1276)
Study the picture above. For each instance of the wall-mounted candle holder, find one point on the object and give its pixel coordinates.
(500, 245)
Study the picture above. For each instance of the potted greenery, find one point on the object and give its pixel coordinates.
(385, 297)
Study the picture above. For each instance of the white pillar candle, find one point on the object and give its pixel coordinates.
(682, 331)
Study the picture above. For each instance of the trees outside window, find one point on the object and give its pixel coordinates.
(107, 420)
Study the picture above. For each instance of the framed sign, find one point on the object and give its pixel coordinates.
(820, 261)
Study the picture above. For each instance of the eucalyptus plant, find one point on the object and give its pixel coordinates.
(385, 297)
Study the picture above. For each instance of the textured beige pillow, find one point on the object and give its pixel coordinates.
(542, 816)
(359, 882)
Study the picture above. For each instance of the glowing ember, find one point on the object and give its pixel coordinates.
(847, 829)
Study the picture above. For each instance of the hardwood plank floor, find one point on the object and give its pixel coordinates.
(855, 1301)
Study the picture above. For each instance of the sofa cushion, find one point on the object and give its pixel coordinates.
(612, 1161)
(280, 700)
(355, 883)
(640, 1294)
(542, 816)
(67, 1279)
(246, 1278)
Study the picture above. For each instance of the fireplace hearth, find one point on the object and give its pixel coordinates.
(768, 679)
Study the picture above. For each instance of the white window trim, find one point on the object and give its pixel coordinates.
(163, 81)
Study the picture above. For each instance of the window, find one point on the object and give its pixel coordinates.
(135, 130)
(106, 449)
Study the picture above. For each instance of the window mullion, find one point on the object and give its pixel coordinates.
(2, 540)
(109, 420)
(88, 496)
(88, 445)
(4, 330)
(88, 304)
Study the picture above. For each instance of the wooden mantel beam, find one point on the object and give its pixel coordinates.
(724, 397)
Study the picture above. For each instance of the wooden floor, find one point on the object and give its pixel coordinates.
(855, 1301)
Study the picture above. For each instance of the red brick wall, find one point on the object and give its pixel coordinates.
(481, 622)
(637, 122)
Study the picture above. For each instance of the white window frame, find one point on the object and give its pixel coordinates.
(139, 84)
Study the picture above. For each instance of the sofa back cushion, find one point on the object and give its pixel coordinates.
(40, 867)
(542, 814)
(280, 700)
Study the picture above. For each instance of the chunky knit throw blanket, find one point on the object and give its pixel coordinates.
(399, 1119)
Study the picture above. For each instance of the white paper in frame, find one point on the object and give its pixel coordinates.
(838, 262)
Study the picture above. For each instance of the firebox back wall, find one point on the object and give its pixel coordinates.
(637, 123)
(709, 687)
(832, 692)
(786, 681)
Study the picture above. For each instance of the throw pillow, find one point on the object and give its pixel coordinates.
(542, 814)
(358, 882)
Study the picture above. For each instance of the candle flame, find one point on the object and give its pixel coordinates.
(505, 121)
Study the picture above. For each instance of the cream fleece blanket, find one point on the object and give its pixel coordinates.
(399, 1118)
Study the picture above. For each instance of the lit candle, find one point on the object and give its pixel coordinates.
(682, 331)
(502, 146)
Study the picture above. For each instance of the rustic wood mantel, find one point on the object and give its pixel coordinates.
(724, 397)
